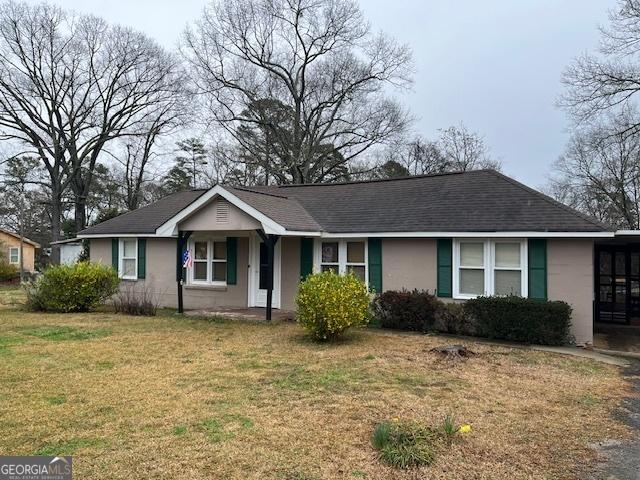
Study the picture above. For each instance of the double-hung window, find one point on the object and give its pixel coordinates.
(489, 267)
(14, 255)
(209, 262)
(342, 256)
(128, 258)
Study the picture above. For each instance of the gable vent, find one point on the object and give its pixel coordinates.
(222, 212)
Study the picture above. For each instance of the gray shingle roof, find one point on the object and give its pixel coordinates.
(476, 201)
(283, 210)
(146, 219)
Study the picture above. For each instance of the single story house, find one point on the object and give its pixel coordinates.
(10, 243)
(458, 235)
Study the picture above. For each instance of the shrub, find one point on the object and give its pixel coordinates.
(328, 304)
(8, 272)
(410, 444)
(130, 301)
(414, 310)
(521, 319)
(72, 288)
(453, 318)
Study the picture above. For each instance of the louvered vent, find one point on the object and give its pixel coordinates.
(222, 212)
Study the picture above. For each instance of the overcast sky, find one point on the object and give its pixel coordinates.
(494, 65)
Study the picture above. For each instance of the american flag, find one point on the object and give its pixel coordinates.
(187, 259)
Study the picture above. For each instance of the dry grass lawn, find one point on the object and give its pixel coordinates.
(177, 398)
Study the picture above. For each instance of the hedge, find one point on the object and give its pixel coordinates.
(521, 319)
(507, 318)
(414, 310)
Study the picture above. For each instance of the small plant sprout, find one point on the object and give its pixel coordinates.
(449, 425)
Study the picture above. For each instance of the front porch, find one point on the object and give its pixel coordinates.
(254, 313)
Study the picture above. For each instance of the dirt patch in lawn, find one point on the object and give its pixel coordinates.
(171, 397)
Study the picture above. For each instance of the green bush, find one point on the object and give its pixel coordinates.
(328, 304)
(403, 444)
(453, 318)
(8, 272)
(72, 288)
(414, 310)
(521, 319)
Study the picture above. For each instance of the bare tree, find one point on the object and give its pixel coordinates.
(457, 149)
(599, 173)
(463, 150)
(596, 84)
(69, 84)
(319, 61)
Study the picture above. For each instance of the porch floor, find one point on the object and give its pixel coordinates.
(623, 338)
(253, 313)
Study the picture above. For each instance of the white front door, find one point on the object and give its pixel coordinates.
(258, 274)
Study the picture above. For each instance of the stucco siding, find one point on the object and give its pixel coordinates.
(161, 276)
(409, 263)
(570, 279)
(289, 272)
(208, 218)
(100, 250)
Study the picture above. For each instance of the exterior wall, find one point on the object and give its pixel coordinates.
(28, 251)
(570, 279)
(409, 263)
(161, 276)
(206, 219)
(289, 272)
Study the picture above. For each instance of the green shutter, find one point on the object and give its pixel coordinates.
(142, 258)
(375, 265)
(232, 261)
(115, 254)
(445, 267)
(306, 257)
(538, 268)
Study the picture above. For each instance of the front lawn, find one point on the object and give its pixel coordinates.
(171, 397)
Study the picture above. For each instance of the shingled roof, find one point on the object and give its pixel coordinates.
(475, 201)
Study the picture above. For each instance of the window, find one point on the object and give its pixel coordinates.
(343, 256)
(128, 258)
(14, 255)
(209, 262)
(489, 267)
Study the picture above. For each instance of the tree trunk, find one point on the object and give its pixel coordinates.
(80, 213)
(56, 214)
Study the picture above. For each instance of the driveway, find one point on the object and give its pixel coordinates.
(617, 337)
(622, 459)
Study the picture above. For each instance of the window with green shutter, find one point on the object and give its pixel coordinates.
(375, 264)
(142, 258)
(115, 254)
(538, 268)
(232, 261)
(445, 266)
(306, 257)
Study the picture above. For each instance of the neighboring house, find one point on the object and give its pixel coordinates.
(70, 250)
(458, 235)
(10, 242)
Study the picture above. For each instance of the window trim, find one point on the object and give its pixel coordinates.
(17, 249)
(121, 259)
(342, 255)
(209, 261)
(489, 251)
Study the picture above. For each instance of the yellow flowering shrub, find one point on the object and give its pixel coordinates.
(328, 304)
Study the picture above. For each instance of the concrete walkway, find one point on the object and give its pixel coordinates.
(610, 358)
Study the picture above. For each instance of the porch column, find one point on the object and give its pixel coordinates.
(270, 242)
(182, 240)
